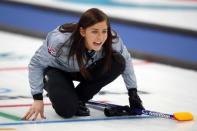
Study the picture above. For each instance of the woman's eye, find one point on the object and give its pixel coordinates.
(104, 32)
(94, 32)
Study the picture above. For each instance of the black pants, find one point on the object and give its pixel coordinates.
(64, 96)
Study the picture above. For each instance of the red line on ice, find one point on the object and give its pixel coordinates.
(13, 68)
(19, 105)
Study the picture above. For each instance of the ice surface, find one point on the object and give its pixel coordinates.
(162, 88)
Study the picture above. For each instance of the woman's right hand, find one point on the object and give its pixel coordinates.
(36, 109)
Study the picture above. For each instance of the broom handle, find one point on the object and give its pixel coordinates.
(145, 112)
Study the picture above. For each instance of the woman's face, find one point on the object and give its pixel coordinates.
(95, 35)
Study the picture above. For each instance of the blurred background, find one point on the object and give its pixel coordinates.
(163, 31)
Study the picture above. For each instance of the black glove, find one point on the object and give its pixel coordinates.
(134, 100)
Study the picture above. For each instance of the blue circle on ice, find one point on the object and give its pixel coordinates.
(4, 90)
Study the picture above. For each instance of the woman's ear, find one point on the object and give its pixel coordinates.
(82, 31)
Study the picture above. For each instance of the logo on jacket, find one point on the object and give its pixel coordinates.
(52, 51)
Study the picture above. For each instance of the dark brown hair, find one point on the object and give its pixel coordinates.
(88, 18)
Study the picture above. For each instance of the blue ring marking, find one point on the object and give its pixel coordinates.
(11, 56)
(74, 120)
(169, 45)
(4, 90)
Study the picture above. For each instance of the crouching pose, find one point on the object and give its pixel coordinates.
(88, 52)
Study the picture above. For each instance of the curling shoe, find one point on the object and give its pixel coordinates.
(82, 110)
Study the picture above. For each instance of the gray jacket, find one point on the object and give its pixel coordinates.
(54, 53)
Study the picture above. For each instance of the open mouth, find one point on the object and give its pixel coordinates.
(97, 43)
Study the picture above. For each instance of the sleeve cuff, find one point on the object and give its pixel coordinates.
(38, 96)
(132, 91)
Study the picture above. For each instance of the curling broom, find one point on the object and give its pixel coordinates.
(118, 110)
